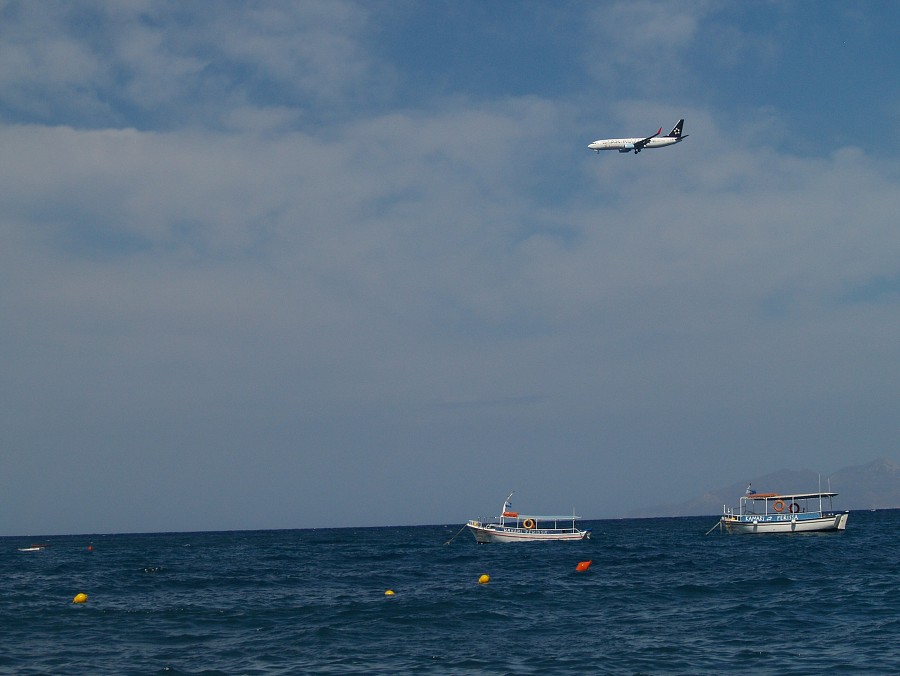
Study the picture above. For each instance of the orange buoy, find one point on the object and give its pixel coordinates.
(583, 566)
(484, 579)
(80, 598)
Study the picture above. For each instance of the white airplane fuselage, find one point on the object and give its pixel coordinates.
(636, 145)
(627, 145)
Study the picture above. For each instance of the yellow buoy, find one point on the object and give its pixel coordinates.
(389, 592)
(80, 598)
(484, 579)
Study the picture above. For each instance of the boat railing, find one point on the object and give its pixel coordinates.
(770, 504)
(772, 516)
(535, 529)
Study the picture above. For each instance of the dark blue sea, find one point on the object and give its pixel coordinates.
(660, 597)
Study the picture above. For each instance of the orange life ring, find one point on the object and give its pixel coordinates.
(528, 523)
(778, 506)
(794, 508)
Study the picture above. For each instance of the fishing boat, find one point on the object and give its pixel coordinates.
(34, 548)
(512, 526)
(784, 513)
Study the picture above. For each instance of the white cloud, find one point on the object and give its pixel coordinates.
(637, 46)
(164, 65)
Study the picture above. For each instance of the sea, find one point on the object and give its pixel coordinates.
(661, 596)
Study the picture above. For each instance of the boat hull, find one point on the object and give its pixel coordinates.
(807, 523)
(485, 533)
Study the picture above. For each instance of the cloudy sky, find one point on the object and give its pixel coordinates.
(300, 264)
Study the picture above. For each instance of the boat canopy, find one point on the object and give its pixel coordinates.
(787, 496)
(522, 516)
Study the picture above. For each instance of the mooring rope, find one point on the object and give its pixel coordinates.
(718, 525)
(457, 533)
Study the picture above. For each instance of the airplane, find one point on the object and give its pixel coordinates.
(624, 145)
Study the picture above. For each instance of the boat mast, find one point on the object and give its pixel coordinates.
(504, 510)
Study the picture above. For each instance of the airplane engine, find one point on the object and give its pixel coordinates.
(626, 148)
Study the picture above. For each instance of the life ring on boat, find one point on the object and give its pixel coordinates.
(778, 506)
(528, 523)
(794, 508)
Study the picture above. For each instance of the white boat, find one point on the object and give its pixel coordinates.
(784, 513)
(512, 526)
(33, 548)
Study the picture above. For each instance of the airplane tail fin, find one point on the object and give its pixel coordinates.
(676, 130)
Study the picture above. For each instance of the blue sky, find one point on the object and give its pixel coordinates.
(274, 265)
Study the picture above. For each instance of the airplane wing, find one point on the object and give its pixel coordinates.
(640, 144)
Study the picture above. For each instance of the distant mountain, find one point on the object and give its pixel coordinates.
(872, 486)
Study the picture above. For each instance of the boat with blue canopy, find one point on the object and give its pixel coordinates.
(784, 513)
